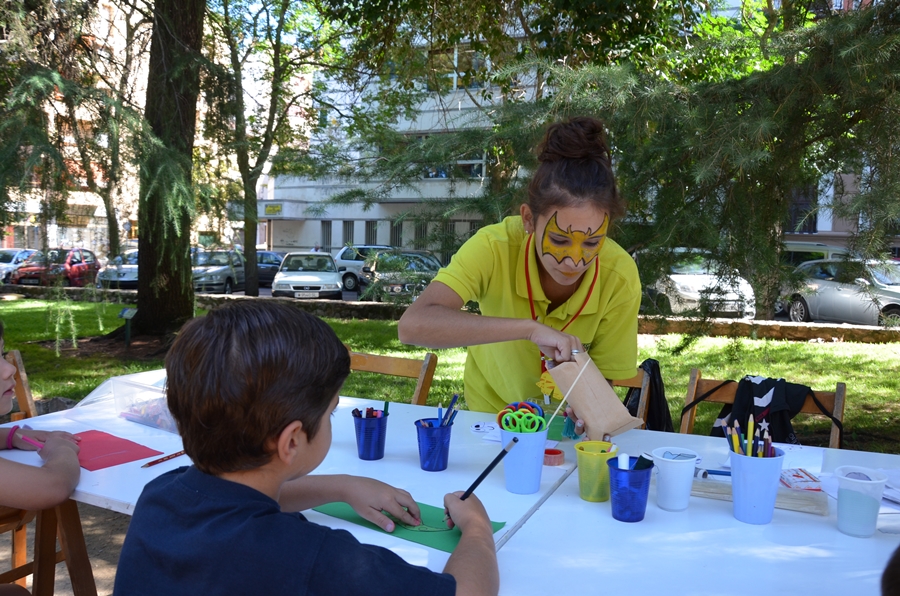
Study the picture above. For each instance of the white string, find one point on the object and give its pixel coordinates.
(566, 396)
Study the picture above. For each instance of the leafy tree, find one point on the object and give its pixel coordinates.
(166, 204)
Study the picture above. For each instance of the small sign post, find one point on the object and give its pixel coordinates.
(127, 314)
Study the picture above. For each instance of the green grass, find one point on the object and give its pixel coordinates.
(871, 371)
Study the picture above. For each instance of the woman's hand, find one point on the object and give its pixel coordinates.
(554, 344)
(371, 499)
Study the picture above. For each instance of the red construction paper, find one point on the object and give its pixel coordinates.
(102, 450)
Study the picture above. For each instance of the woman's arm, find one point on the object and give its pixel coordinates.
(436, 320)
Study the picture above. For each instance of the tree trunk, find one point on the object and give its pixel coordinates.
(165, 291)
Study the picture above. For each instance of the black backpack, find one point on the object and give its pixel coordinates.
(658, 415)
(774, 403)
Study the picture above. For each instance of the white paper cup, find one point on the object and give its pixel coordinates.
(675, 476)
(859, 499)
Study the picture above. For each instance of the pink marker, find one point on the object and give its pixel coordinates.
(32, 442)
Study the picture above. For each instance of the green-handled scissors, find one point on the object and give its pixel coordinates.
(522, 421)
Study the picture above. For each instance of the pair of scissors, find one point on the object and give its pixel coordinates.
(522, 421)
(522, 406)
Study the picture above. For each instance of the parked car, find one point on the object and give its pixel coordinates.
(218, 271)
(851, 291)
(798, 252)
(11, 259)
(399, 274)
(66, 266)
(693, 285)
(350, 261)
(267, 264)
(308, 275)
(121, 273)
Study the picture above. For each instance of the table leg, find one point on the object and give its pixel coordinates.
(71, 538)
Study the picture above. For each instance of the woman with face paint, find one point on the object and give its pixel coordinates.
(549, 282)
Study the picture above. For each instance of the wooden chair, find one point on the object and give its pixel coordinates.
(23, 390)
(697, 386)
(423, 370)
(62, 521)
(639, 381)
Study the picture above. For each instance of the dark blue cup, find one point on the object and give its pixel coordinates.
(434, 444)
(370, 435)
(628, 490)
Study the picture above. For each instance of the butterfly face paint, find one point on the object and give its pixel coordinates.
(579, 246)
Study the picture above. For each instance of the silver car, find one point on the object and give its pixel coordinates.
(11, 259)
(219, 271)
(861, 292)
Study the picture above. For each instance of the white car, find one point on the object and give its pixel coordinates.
(308, 275)
(121, 273)
(848, 291)
(693, 285)
(350, 261)
(218, 271)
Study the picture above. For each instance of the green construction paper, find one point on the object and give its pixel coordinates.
(433, 532)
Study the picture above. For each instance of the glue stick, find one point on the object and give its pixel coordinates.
(623, 461)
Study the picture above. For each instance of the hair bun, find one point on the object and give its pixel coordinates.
(581, 138)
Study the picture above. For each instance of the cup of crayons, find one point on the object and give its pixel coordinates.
(755, 473)
(434, 437)
(371, 431)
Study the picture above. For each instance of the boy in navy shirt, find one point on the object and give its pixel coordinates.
(252, 386)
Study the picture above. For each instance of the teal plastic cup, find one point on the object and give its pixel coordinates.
(523, 464)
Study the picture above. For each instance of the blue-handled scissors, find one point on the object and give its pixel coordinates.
(522, 421)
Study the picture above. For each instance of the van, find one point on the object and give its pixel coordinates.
(798, 252)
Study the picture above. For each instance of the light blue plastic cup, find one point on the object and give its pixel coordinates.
(754, 486)
(523, 464)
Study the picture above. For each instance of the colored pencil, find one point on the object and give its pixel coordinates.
(489, 468)
(32, 442)
(750, 436)
(387, 404)
(162, 459)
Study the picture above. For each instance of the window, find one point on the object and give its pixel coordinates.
(459, 67)
(326, 236)
(802, 211)
(396, 233)
(420, 239)
(348, 232)
(470, 165)
(371, 232)
(448, 240)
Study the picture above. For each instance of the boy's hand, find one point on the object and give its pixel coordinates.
(370, 498)
(468, 515)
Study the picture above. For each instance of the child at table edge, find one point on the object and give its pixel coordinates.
(252, 387)
(30, 487)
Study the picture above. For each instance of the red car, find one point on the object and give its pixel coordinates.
(66, 266)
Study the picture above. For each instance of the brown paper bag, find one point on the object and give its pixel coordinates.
(593, 399)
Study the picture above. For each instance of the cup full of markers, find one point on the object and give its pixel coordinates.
(371, 431)
(434, 438)
(755, 473)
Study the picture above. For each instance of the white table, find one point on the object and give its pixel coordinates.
(578, 546)
(118, 487)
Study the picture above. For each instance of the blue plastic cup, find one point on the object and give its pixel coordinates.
(523, 464)
(434, 444)
(754, 486)
(628, 490)
(370, 435)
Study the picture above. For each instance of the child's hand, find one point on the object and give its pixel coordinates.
(369, 498)
(40, 436)
(56, 442)
(468, 514)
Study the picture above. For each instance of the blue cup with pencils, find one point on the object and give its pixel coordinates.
(371, 431)
(434, 443)
(523, 466)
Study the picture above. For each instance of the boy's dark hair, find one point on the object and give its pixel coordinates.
(238, 376)
(890, 580)
(575, 167)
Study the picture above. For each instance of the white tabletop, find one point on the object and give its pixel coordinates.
(118, 487)
(700, 551)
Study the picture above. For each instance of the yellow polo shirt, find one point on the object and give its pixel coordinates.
(490, 269)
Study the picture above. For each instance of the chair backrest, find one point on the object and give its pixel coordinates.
(833, 401)
(639, 381)
(423, 370)
(23, 390)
